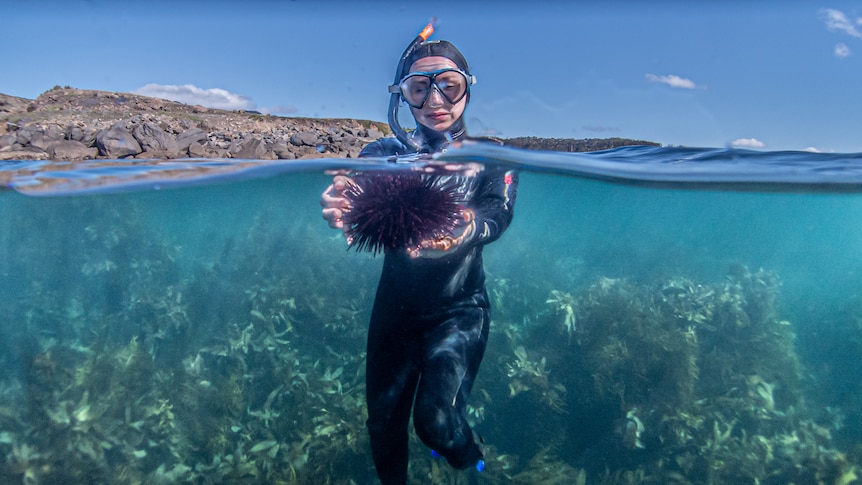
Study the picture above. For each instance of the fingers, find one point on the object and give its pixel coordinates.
(436, 247)
(334, 203)
(333, 217)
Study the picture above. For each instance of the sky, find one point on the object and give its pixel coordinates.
(767, 75)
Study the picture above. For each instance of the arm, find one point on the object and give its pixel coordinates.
(384, 147)
(495, 204)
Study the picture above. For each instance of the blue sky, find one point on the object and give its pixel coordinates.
(766, 75)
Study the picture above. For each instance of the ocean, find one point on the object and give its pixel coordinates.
(659, 315)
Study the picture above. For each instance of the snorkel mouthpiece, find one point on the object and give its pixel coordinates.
(396, 94)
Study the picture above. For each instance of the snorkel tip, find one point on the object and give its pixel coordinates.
(428, 30)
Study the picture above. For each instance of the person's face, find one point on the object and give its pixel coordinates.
(437, 113)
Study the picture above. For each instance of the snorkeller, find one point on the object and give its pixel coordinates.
(414, 87)
(431, 316)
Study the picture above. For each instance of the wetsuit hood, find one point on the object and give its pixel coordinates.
(434, 48)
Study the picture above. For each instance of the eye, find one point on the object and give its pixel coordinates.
(452, 84)
(420, 87)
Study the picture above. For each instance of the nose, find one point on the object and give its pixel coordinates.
(435, 97)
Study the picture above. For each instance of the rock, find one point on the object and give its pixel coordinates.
(70, 150)
(117, 142)
(190, 136)
(154, 139)
(282, 151)
(251, 149)
(158, 154)
(373, 133)
(42, 140)
(75, 133)
(26, 153)
(25, 135)
(6, 141)
(89, 138)
(197, 150)
(305, 138)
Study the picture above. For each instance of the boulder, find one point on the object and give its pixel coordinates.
(89, 138)
(154, 139)
(190, 136)
(197, 150)
(70, 150)
(117, 142)
(250, 149)
(6, 141)
(26, 153)
(42, 140)
(373, 133)
(25, 134)
(305, 138)
(75, 133)
(282, 151)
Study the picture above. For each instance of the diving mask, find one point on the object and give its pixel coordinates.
(416, 87)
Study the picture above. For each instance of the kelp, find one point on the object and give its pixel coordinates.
(131, 361)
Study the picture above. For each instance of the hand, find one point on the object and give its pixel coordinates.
(435, 248)
(334, 203)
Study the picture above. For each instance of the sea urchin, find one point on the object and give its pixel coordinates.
(395, 211)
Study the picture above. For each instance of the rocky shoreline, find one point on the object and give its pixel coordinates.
(75, 124)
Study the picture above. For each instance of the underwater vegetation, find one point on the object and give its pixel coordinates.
(132, 358)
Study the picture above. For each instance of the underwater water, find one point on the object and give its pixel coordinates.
(659, 315)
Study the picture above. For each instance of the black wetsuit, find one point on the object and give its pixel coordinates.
(429, 328)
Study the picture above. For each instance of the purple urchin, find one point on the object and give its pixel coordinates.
(394, 211)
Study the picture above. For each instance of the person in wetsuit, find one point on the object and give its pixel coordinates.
(429, 325)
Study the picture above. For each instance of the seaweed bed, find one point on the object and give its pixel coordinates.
(250, 369)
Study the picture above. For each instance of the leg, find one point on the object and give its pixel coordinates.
(453, 352)
(391, 376)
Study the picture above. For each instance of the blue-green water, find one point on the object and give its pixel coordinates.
(659, 315)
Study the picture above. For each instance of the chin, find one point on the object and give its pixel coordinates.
(440, 125)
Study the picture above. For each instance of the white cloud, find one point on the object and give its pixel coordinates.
(672, 80)
(841, 50)
(837, 20)
(747, 143)
(190, 94)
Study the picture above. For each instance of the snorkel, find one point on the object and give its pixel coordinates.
(395, 97)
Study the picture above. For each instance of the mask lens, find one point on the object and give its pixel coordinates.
(415, 89)
(451, 83)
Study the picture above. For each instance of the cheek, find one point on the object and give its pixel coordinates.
(459, 108)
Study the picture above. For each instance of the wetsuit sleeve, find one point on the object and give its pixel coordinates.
(384, 147)
(494, 204)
